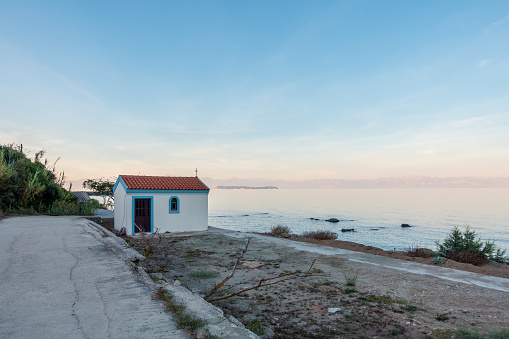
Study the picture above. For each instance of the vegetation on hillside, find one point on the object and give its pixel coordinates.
(33, 186)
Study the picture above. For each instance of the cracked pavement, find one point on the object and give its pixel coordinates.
(59, 279)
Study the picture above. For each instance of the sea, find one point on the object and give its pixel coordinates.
(376, 215)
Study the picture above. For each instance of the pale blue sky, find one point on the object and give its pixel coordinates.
(272, 89)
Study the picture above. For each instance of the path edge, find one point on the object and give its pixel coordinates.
(217, 323)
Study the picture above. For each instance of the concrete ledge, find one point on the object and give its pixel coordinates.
(113, 242)
(217, 323)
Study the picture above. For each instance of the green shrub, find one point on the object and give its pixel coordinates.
(63, 207)
(468, 248)
(33, 186)
(438, 261)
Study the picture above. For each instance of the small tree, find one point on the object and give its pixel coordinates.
(102, 187)
(467, 247)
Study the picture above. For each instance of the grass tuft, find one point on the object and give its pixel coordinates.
(443, 316)
(184, 320)
(411, 308)
(191, 254)
(465, 333)
(255, 326)
(351, 278)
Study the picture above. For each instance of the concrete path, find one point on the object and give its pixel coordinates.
(495, 283)
(58, 279)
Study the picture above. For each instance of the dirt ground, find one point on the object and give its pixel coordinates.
(343, 299)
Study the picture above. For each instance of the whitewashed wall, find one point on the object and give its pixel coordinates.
(120, 198)
(193, 212)
(192, 216)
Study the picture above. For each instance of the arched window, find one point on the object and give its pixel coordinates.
(174, 205)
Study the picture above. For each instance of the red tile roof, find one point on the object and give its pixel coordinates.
(142, 182)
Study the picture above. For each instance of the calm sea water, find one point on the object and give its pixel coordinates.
(375, 214)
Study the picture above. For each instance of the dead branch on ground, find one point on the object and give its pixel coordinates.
(221, 284)
(261, 283)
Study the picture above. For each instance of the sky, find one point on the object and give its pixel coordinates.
(280, 89)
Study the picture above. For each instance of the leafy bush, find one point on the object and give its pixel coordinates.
(468, 248)
(25, 183)
(280, 230)
(63, 207)
(32, 186)
(102, 187)
(438, 261)
(320, 235)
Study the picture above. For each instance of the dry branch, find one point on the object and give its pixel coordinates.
(221, 284)
(261, 283)
(149, 244)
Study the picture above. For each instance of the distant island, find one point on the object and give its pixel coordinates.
(246, 188)
(391, 182)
